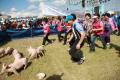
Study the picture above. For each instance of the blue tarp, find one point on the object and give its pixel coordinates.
(4, 36)
(21, 33)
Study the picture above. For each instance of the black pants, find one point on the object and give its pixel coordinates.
(66, 34)
(46, 39)
(107, 39)
(60, 37)
(119, 31)
(76, 54)
(89, 39)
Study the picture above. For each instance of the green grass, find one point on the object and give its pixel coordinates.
(101, 65)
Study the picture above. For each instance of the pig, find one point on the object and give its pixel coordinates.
(32, 52)
(9, 50)
(41, 50)
(2, 51)
(16, 54)
(13, 67)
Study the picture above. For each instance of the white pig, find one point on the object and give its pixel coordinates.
(41, 50)
(32, 52)
(16, 54)
(2, 51)
(13, 67)
(9, 50)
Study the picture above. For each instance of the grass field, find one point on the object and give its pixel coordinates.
(101, 65)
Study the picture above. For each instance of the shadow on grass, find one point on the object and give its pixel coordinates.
(117, 48)
(55, 77)
(29, 63)
(98, 46)
(53, 40)
(4, 40)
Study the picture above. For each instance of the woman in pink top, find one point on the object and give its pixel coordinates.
(97, 31)
(53, 22)
(59, 28)
(108, 28)
(46, 29)
(112, 24)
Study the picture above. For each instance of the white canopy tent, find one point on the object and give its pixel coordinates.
(51, 11)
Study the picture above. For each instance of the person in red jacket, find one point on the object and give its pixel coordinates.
(46, 29)
(68, 31)
(97, 31)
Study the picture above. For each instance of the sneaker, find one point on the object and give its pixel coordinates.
(68, 49)
(109, 46)
(83, 58)
(81, 61)
(88, 45)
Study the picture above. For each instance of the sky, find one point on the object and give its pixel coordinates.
(17, 8)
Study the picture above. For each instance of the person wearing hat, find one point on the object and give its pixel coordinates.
(97, 31)
(76, 40)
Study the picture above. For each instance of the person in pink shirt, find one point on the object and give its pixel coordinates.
(59, 28)
(108, 28)
(46, 29)
(53, 22)
(112, 24)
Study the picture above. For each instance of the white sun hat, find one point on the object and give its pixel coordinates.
(41, 76)
(111, 12)
(95, 17)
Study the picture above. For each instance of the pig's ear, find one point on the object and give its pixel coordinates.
(15, 50)
(3, 65)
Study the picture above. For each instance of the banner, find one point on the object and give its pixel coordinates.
(22, 33)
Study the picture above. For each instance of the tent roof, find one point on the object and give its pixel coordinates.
(51, 11)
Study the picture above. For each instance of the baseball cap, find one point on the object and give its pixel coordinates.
(68, 18)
